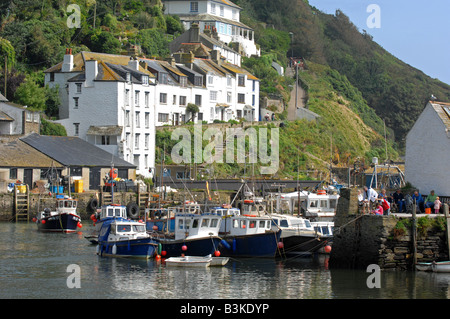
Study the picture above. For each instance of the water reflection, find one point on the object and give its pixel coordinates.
(33, 265)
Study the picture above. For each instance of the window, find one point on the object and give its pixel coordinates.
(147, 120)
(106, 140)
(213, 8)
(77, 129)
(253, 86)
(183, 82)
(222, 11)
(253, 99)
(194, 6)
(127, 118)
(198, 80)
(200, 116)
(128, 77)
(174, 99)
(13, 173)
(127, 97)
(238, 114)
(29, 116)
(214, 222)
(147, 139)
(234, 14)
(145, 79)
(183, 175)
(229, 81)
(241, 80)
(78, 87)
(163, 98)
(241, 98)
(198, 100)
(75, 102)
(229, 97)
(136, 141)
(182, 100)
(205, 222)
(163, 78)
(52, 76)
(213, 95)
(138, 119)
(74, 171)
(163, 117)
(136, 98)
(146, 99)
(210, 79)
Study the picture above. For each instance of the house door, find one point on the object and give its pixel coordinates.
(28, 177)
(94, 178)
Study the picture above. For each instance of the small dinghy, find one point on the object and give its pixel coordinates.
(439, 266)
(189, 261)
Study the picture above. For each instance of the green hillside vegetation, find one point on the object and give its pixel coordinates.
(396, 91)
(353, 83)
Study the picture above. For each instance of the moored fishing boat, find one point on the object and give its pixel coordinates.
(64, 219)
(248, 236)
(106, 214)
(194, 235)
(125, 238)
(297, 234)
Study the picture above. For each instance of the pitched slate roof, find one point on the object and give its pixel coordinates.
(16, 153)
(73, 151)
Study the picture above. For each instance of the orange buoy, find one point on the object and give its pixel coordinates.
(327, 248)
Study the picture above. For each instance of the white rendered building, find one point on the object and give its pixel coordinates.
(108, 100)
(217, 15)
(428, 150)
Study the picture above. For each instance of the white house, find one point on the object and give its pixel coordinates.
(107, 100)
(16, 119)
(428, 150)
(221, 16)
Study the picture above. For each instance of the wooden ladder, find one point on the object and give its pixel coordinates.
(21, 204)
(142, 200)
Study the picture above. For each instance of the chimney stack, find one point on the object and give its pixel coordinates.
(194, 33)
(67, 65)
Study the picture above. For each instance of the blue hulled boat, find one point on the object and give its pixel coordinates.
(105, 215)
(125, 238)
(246, 235)
(194, 235)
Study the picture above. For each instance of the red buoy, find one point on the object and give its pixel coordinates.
(280, 245)
(184, 248)
(327, 248)
(43, 221)
(155, 227)
(158, 257)
(217, 253)
(163, 253)
(80, 225)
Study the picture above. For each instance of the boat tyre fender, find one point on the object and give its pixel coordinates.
(133, 210)
(93, 205)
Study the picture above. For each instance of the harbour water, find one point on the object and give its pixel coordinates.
(35, 265)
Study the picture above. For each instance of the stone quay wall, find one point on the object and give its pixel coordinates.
(361, 240)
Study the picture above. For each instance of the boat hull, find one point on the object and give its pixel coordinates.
(440, 266)
(188, 261)
(64, 222)
(135, 248)
(255, 245)
(195, 247)
(298, 244)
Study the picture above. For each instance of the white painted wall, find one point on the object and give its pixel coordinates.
(427, 155)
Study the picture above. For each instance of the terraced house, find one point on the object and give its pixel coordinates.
(115, 101)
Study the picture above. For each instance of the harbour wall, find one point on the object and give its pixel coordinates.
(37, 202)
(388, 241)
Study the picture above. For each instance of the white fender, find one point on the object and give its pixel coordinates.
(114, 249)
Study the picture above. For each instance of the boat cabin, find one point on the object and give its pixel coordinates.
(291, 221)
(245, 225)
(189, 226)
(222, 212)
(63, 205)
(113, 211)
(126, 230)
(326, 228)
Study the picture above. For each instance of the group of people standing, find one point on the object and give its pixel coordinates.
(380, 203)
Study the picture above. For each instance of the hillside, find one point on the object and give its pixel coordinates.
(395, 90)
(353, 83)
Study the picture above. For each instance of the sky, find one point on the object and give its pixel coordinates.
(415, 31)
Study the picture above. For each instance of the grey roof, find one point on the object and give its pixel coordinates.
(73, 151)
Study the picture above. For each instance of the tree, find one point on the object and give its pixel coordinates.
(7, 51)
(31, 95)
(193, 109)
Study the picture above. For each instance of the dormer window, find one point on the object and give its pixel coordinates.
(128, 77)
(145, 79)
